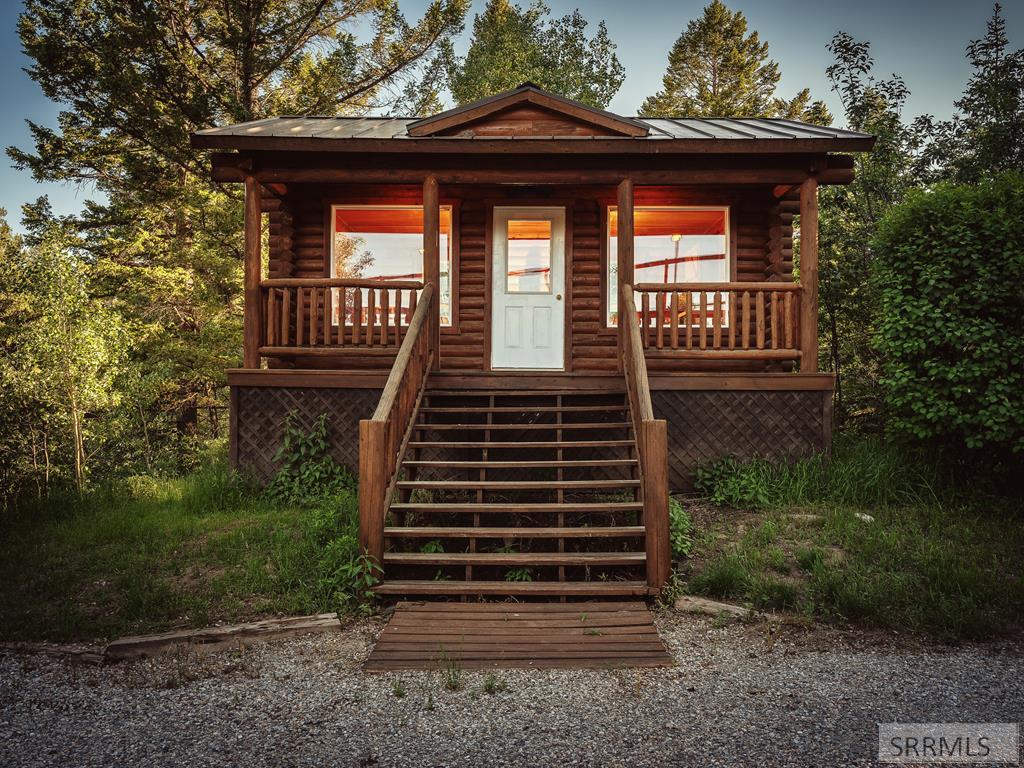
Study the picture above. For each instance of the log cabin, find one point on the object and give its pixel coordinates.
(526, 321)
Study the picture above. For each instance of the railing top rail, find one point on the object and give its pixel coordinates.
(759, 286)
(405, 353)
(339, 282)
(635, 360)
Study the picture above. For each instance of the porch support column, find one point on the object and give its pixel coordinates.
(432, 261)
(624, 251)
(251, 308)
(809, 276)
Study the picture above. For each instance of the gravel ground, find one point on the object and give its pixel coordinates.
(739, 696)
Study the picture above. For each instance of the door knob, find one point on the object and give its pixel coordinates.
(558, 297)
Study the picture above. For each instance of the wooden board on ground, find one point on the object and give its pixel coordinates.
(585, 635)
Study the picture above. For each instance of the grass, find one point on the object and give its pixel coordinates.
(931, 561)
(152, 554)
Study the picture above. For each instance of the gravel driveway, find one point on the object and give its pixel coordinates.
(738, 697)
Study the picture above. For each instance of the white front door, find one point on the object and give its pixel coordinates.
(528, 288)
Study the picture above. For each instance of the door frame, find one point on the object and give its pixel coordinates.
(568, 203)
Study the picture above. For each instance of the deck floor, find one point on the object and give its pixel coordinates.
(595, 635)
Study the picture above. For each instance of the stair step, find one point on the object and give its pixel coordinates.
(538, 588)
(515, 508)
(514, 558)
(551, 464)
(547, 427)
(524, 409)
(518, 532)
(524, 392)
(524, 444)
(516, 485)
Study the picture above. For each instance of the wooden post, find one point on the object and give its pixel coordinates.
(654, 450)
(809, 276)
(432, 261)
(251, 271)
(373, 483)
(624, 251)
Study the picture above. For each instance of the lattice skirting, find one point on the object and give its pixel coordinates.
(704, 426)
(258, 415)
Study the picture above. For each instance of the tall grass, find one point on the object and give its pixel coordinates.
(860, 473)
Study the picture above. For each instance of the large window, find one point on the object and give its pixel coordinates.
(385, 242)
(671, 245)
(529, 257)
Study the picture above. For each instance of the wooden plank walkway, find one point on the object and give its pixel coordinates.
(594, 635)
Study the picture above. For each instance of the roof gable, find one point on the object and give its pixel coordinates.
(526, 111)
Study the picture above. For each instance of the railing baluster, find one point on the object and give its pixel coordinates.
(300, 316)
(371, 315)
(660, 318)
(398, 317)
(687, 319)
(773, 305)
(732, 319)
(760, 319)
(746, 319)
(385, 323)
(789, 319)
(674, 320)
(357, 315)
(328, 315)
(703, 320)
(271, 297)
(286, 316)
(314, 316)
(646, 312)
(717, 321)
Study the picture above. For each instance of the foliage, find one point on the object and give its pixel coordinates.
(848, 217)
(160, 244)
(680, 529)
(716, 69)
(986, 136)
(512, 45)
(951, 572)
(145, 554)
(951, 318)
(869, 473)
(307, 470)
(519, 574)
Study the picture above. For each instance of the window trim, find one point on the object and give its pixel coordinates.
(453, 243)
(606, 227)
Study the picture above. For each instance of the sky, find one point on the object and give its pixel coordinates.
(922, 40)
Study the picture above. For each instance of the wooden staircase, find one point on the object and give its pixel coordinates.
(517, 492)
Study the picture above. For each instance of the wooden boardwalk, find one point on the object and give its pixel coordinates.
(595, 635)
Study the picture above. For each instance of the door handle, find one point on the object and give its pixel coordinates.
(558, 297)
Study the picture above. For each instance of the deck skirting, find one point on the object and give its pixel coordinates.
(773, 416)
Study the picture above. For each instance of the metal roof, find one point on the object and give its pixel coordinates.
(661, 129)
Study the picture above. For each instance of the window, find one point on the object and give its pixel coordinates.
(529, 257)
(671, 245)
(381, 242)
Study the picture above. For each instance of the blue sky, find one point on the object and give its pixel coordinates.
(922, 40)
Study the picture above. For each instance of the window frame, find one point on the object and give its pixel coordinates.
(609, 256)
(508, 252)
(333, 204)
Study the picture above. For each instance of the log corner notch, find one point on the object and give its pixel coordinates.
(432, 261)
(809, 276)
(251, 321)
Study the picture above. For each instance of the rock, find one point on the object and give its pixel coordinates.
(691, 604)
(864, 517)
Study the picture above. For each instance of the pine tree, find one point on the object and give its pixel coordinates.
(717, 69)
(512, 45)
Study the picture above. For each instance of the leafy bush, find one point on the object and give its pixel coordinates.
(950, 326)
(680, 529)
(307, 469)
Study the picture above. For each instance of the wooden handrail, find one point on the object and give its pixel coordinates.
(652, 445)
(339, 282)
(694, 287)
(383, 437)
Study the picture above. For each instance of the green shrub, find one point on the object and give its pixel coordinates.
(307, 469)
(950, 325)
(680, 529)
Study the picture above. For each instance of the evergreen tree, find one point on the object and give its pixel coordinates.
(717, 69)
(512, 45)
(986, 136)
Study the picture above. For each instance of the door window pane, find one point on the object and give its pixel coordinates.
(386, 243)
(529, 257)
(671, 245)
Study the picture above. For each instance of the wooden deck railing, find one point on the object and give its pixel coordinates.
(316, 316)
(652, 446)
(724, 320)
(383, 437)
